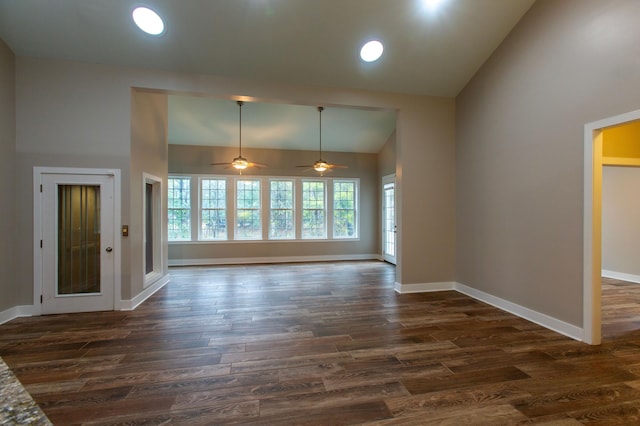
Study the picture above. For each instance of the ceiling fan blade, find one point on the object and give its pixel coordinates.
(219, 164)
(256, 165)
(338, 166)
(308, 166)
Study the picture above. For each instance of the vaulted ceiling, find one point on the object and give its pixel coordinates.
(428, 50)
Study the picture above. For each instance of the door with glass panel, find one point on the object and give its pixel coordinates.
(389, 220)
(77, 243)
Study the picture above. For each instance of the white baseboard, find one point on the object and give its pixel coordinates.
(276, 259)
(423, 287)
(543, 320)
(546, 321)
(130, 305)
(621, 276)
(16, 312)
(125, 305)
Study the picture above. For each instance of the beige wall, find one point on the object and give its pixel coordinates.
(149, 154)
(197, 159)
(387, 157)
(425, 192)
(519, 134)
(8, 273)
(67, 115)
(621, 220)
(386, 167)
(76, 114)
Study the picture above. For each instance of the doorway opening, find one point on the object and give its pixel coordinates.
(594, 161)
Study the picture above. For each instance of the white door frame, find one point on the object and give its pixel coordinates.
(592, 230)
(386, 180)
(37, 229)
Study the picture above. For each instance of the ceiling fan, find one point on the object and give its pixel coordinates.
(240, 163)
(321, 165)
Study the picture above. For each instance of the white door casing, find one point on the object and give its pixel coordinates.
(592, 224)
(47, 181)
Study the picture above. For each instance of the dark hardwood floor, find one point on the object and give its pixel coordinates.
(323, 344)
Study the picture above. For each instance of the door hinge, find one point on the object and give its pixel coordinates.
(40, 187)
(41, 299)
(40, 243)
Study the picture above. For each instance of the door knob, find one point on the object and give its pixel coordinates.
(109, 249)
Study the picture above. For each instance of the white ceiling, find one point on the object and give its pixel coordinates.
(310, 42)
(216, 122)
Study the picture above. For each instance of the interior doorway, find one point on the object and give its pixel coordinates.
(594, 161)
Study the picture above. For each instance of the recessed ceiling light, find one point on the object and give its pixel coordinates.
(371, 51)
(148, 20)
(433, 4)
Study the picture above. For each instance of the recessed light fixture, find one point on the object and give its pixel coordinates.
(433, 4)
(371, 51)
(148, 20)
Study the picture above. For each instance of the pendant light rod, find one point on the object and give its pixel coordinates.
(240, 103)
(320, 109)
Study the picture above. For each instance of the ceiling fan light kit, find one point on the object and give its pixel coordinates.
(320, 166)
(240, 163)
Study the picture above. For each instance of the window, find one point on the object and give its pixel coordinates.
(213, 211)
(344, 209)
(148, 227)
(152, 229)
(256, 208)
(179, 214)
(281, 225)
(313, 209)
(248, 218)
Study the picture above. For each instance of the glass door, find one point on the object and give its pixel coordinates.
(78, 239)
(389, 220)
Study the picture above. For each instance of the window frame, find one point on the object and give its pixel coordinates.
(195, 181)
(258, 209)
(201, 208)
(291, 209)
(356, 198)
(152, 229)
(190, 209)
(325, 196)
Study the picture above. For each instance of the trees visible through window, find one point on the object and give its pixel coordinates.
(281, 224)
(226, 208)
(213, 211)
(179, 214)
(313, 209)
(248, 223)
(344, 209)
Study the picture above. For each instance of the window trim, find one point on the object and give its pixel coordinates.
(156, 228)
(356, 208)
(201, 209)
(265, 193)
(192, 211)
(260, 208)
(293, 208)
(326, 196)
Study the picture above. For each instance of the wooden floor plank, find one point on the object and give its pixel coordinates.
(323, 344)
